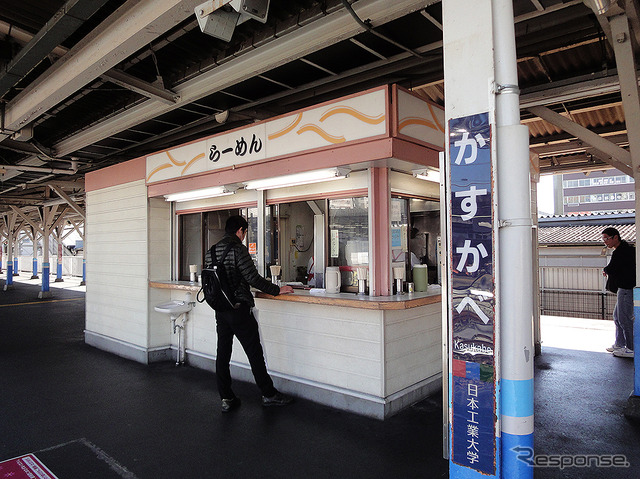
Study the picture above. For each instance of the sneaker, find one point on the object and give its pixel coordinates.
(614, 348)
(278, 399)
(623, 353)
(229, 405)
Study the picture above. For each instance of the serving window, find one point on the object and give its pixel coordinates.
(197, 232)
(349, 238)
(290, 239)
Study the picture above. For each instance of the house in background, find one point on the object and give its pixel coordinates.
(571, 258)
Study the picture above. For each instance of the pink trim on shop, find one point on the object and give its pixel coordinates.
(380, 202)
(330, 196)
(370, 150)
(228, 206)
(132, 170)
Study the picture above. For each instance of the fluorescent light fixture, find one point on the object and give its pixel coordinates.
(202, 193)
(304, 178)
(428, 174)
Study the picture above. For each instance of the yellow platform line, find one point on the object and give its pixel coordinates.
(40, 302)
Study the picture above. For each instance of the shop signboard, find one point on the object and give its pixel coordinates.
(472, 293)
(329, 125)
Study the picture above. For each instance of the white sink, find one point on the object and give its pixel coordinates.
(174, 307)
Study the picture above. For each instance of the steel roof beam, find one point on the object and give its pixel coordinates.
(132, 83)
(572, 89)
(329, 30)
(130, 28)
(626, 64)
(63, 23)
(58, 191)
(615, 155)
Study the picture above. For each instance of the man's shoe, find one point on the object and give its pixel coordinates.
(623, 353)
(614, 348)
(229, 405)
(278, 399)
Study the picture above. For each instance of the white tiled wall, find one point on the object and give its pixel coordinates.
(413, 351)
(367, 351)
(117, 265)
(159, 254)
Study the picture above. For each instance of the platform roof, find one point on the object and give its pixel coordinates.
(84, 86)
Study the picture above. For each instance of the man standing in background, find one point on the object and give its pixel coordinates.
(621, 279)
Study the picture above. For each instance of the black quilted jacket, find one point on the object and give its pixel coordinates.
(241, 272)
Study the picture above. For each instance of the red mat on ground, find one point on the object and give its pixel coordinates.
(25, 467)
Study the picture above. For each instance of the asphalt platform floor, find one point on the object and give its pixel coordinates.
(85, 413)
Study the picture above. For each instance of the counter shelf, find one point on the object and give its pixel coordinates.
(348, 300)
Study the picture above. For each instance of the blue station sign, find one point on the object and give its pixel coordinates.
(472, 293)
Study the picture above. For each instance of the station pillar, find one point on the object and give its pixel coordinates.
(489, 235)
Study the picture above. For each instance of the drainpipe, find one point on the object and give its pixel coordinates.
(515, 252)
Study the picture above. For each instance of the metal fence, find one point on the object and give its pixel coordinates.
(577, 304)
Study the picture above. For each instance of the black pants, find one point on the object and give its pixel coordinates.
(243, 325)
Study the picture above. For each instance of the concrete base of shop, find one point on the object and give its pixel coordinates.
(325, 394)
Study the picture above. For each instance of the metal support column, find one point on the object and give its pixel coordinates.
(622, 47)
(10, 235)
(515, 254)
(47, 215)
(34, 236)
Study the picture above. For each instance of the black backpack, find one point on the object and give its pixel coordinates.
(215, 286)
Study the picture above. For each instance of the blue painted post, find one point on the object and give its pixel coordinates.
(45, 293)
(15, 266)
(59, 265)
(636, 341)
(84, 272)
(9, 282)
(632, 410)
(35, 269)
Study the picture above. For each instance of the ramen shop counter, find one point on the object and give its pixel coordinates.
(351, 300)
(369, 355)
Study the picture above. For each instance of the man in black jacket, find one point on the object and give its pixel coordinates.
(621, 279)
(241, 274)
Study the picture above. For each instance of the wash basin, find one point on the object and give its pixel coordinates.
(174, 307)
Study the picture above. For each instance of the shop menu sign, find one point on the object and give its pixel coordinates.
(472, 293)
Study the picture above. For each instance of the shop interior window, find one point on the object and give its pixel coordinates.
(401, 257)
(289, 241)
(199, 231)
(424, 233)
(349, 238)
(190, 240)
